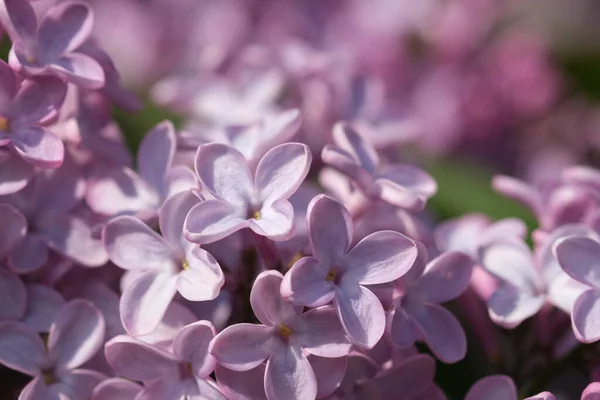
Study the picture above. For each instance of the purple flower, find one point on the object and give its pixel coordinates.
(591, 392)
(35, 305)
(284, 338)
(528, 281)
(116, 389)
(49, 203)
(418, 314)
(123, 191)
(50, 46)
(500, 387)
(401, 185)
(165, 264)
(24, 107)
(241, 201)
(579, 257)
(169, 375)
(15, 172)
(75, 336)
(336, 272)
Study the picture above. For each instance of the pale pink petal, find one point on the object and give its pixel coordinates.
(37, 390)
(579, 256)
(145, 300)
(178, 179)
(80, 69)
(202, 279)
(131, 244)
(268, 305)
(379, 258)
(320, 332)
(329, 228)
(172, 216)
(37, 100)
(77, 384)
(139, 361)
(65, 27)
(14, 173)
(14, 228)
(116, 389)
(509, 305)
(21, 348)
(38, 146)
(241, 347)
(446, 277)
(591, 392)
(289, 375)
(329, 373)
(155, 154)
(191, 344)
(242, 385)
(585, 324)
(276, 221)
(494, 387)
(306, 283)
(361, 314)
(404, 332)
(512, 262)
(520, 191)
(405, 186)
(212, 220)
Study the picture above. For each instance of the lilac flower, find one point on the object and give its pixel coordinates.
(116, 389)
(579, 257)
(122, 191)
(336, 272)
(35, 305)
(591, 392)
(418, 315)
(169, 375)
(15, 172)
(283, 340)
(165, 265)
(241, 201)
(50, 46)
(49, 203)
(500, 387)
(401, 185)
(24, 107)
(528, 281)
(75, 336)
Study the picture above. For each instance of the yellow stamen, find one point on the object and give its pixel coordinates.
(285, 331)
(330, 275)
(295, 258)
(185, 264)
(4, 124)
(49, 378)
(256, 215)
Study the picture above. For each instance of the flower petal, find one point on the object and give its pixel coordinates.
(512, 262)
(116, 389)
(361, 314)
(43, 307)
(77, 384)
(319, 332)
(268, 305)
(404, 332)
(276, 221)
(178, 179)
(242, 385)
(14, 173)
(440, 330)
(76, 334)
(137, 360)
(405, 186)
(579, 256)
(13, 296)
(155, 154)
(38, 146)
(494, 387)
(203, 279)
(29, 255)
(306, 283)
(446, 277)
(519, 191)
(22, 20)
(329, 228)
(224, 171)
(241, 347)
(64, 28)
(509, 305)
(329, 373)
(14, 227)
(212, 220)
(591, 392)
(585, 324)
(21, 348)
(289, 375)
(37, 100)
(79, 69)
(131, 244)
(380, 257)
(172, 216)
(191, 344)
(281, 171)
(144, 302)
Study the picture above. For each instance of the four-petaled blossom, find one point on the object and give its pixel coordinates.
(24, 107)
(284, 339)
(50, 46)
(74, 337)
(418, 315)
(180, 373)
(336, 272)
(164, 264)
(401, 185)
(579, 257)
(122, 191)
(243, 202)
(528, 281)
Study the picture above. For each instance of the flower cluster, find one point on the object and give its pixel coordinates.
(280, 246)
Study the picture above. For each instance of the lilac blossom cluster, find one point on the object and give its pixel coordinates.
(274, 248)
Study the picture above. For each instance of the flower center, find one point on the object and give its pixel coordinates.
(284, 331)
(331, 275)
(48, 376)
(4, 124)
(185, 370)
(185, 265)
(256, 215)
